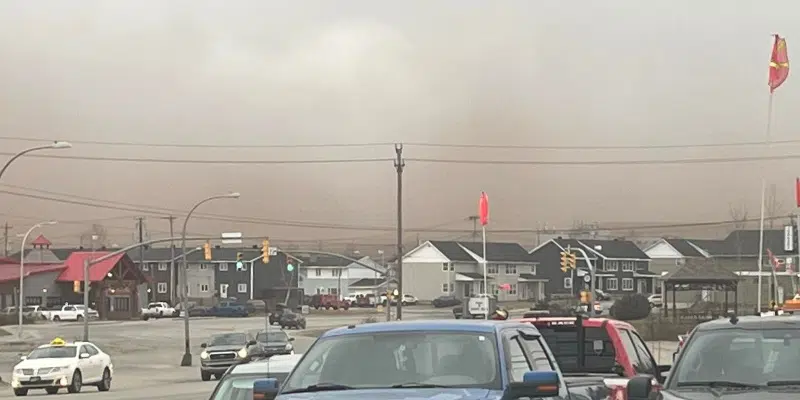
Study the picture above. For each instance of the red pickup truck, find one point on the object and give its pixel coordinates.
(610, 351)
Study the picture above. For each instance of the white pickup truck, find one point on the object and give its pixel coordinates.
(159, 309)
(69, 312)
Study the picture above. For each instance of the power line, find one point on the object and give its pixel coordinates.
(417, 144)
(166, 212)
(716, 160)
(203, 161)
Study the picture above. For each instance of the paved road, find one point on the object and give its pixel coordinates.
(146, 354)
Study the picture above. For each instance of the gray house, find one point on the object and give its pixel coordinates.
(158, 266)
(440, 268)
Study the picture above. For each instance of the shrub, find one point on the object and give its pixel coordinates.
(630, 308)
(369, 320)
(12, 319)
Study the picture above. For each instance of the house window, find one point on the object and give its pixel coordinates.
(32, 301)
(491, 269)
(241, 288)
(241, 266)
(145, 267)
(203, 267)
(628, 266)
(336, 272)
(122, 303)
(627, 283)
(333, 291)
(511, 269)
(446, 288)
(317, 272)
(568, 282)
(204, 288)
(611, 284)
(223, 267)
(162, 287)
(611, 266)
(162, 267)
(513, 289)
(533, 269)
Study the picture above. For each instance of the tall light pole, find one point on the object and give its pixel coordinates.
(20, 303)
(186, 361)
(54, 145)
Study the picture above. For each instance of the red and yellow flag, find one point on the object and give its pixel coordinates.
(778, 64)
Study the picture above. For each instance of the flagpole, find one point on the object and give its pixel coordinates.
(485, 279)
(763, 195)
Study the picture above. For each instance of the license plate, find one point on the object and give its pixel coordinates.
(36, 378)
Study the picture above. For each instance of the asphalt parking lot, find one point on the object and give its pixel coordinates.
(147, 354)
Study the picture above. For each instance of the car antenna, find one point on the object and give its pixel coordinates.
(734, 319)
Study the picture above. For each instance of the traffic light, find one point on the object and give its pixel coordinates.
(289, 265)
(207, 251)
(239, 262)
(564, 261)
(573, 260)
(76, 286)
(584, 297)
(265, 251)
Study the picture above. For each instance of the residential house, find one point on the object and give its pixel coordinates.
(221, 277)
(161, 266)
(438, 268)
(620, 266)
(328, 274)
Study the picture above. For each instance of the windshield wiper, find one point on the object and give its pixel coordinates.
(418, 385)
(716, 384)
(320, 387)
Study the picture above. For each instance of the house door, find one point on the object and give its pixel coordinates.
(541, 290)
(467, 289)
(642, 286)
(223, 290)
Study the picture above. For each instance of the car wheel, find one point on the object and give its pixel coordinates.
(316, 307)
(145, 318)
(56, 318)
(20, 392)
(283, 326)
(205, 376)
(652, 305)
(105, 383)
(51, 390)
(77, 382)
(79, 318)
(404, 303)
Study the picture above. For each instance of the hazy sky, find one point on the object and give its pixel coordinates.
(581, 73)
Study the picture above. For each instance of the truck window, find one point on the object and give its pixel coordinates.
(537, 355)
(630, 349)
(517, 363)
(645, 363)
(563, 342)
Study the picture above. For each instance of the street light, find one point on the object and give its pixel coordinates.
(54, 145)
(22, 272)
(186, 361)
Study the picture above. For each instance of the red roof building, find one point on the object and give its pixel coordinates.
(10, 272)
(41, 242)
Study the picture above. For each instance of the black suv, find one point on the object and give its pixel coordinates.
(272, 342)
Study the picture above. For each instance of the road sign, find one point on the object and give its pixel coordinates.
(232, 238)
(273, 251)
(789, 238)
(587, 278)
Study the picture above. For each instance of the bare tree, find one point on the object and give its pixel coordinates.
(98, 231)
(738, 214)
(773, 207)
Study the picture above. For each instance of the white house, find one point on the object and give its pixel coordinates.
(334, 275)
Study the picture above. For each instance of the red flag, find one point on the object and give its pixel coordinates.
(773, 260)
(778, 64)
(483, 209)
(797, 191)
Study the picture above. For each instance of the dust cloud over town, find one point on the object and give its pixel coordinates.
(654, 81)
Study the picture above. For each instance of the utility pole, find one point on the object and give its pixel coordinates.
(6, 227)
(172, 292)
(474, 219)
(140, 223)
(399, 165)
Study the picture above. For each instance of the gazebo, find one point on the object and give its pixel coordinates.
(700, 275)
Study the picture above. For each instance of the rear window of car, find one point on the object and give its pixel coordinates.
(599, 355)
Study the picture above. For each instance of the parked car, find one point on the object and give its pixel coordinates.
(601, 295)
(237, 383)
(655, 300)
(229, 309)
(275, 316)
(70, 312)
(328, 301)
(224, 350)
(272, 342)
(423, 360)
(446, 301)
(31, 312)
(291, 319)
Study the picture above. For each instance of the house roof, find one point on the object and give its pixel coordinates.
(61, 254)
(223, 254)
(619, 249)
(159, 254)
(684, 247)
(4, 260)
(10, 272)
(499, 251)
(714, 247)
(97, 272)
(41, 241)
(745, 242)
(701, 271)
(473, 275)
(528, 276)
(452, 250)
(367, 283)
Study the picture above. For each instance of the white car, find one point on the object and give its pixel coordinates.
(158, 309)
(70, 312)
(60, 365)
(655, 300)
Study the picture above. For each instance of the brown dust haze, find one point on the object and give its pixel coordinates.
(254, 73)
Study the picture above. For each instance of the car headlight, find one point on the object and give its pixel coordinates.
(242, 353)
(204, 355)
(288, 346)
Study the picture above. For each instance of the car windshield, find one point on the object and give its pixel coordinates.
(53, 352)
(240, 387)
(742, 356)
(277, 336)
(228, 339)
(388, 359)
